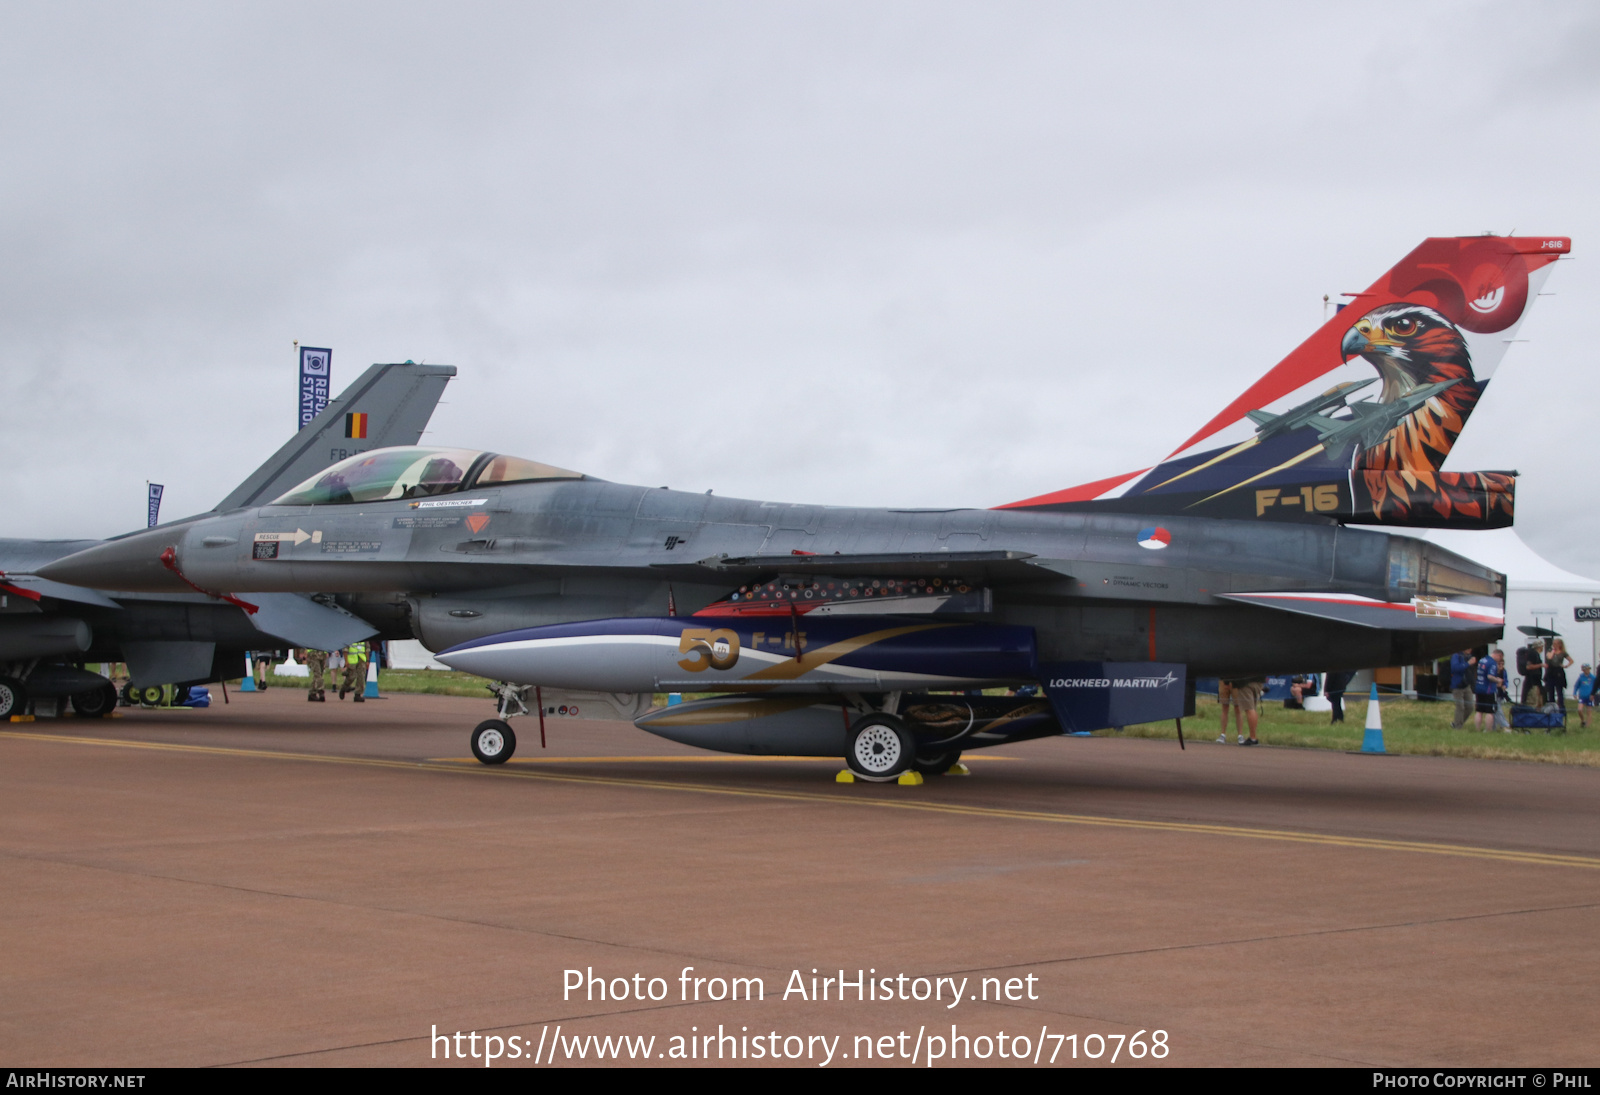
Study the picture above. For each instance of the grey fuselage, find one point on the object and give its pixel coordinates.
(555, 552)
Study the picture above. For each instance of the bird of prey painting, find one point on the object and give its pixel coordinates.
(1430, 332)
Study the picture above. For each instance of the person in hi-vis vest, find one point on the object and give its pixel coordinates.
(355, 671)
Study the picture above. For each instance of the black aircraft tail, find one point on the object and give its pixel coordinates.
(1355, 424)
(387, 405)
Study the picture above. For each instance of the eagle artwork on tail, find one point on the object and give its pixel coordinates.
(1410, 346)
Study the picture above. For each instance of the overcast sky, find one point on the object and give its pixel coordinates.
(857, 253)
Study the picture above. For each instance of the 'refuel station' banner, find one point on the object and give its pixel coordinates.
(316, 369)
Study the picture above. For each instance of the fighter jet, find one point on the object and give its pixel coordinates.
(49, 630)
(1308, 413)
(852, 632)
(1370, 421)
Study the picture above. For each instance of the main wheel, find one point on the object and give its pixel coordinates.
(880, 748)
(96, 703)
(493, 742)
(935, 764)
(13, 697)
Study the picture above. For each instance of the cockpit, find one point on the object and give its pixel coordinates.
(415, 471)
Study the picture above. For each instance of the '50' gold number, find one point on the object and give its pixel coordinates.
(718, 648)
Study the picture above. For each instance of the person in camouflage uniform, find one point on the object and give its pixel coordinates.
(317, 662)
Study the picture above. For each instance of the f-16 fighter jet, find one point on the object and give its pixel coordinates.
(1370, 422)
(49, 630)
(854, 632)
(1307, 413)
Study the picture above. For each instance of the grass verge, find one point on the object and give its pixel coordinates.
(1413, 727)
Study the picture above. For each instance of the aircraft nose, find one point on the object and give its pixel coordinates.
(132, 563)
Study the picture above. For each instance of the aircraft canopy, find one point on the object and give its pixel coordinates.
(415, 471)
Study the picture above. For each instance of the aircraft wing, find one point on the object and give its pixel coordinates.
(304, 622)
(997, 567)
(1417, 614)
(396, 400)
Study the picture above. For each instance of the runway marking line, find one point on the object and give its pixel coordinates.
(1543, 859)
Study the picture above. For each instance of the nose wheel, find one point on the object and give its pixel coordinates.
(880, 748)
(493, 742)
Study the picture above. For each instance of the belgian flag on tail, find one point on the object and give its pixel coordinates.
(355, 425)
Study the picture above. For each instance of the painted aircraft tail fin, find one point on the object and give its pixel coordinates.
(1313, 439)
(387, 405)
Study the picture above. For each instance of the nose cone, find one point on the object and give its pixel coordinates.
(132, 563)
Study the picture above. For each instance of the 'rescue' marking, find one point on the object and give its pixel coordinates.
(1537, 859)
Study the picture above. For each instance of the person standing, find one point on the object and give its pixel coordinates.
(355, 671)
(1583, 692)
(1490, 679)
(1530, 664)
(1334, 688)
(262, 660)
(1463, 668)
(1246, 700)
(1224, 696)
(317, 663)
(1555, 674)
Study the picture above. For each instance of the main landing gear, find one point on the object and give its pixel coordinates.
(13, 698)
(881, 749)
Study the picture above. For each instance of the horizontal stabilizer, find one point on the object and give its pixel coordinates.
(1417, 614)
(33, 587)
(303, 622)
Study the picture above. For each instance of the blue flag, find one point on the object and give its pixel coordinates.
(155, 503)
(316, 369)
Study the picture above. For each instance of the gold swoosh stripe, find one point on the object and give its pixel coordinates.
(1235, 451)
(1286, 464)
(791, 668)
(846, 798)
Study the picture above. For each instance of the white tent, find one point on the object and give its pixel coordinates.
(410, 654)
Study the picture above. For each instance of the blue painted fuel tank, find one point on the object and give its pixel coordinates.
(772, 654)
